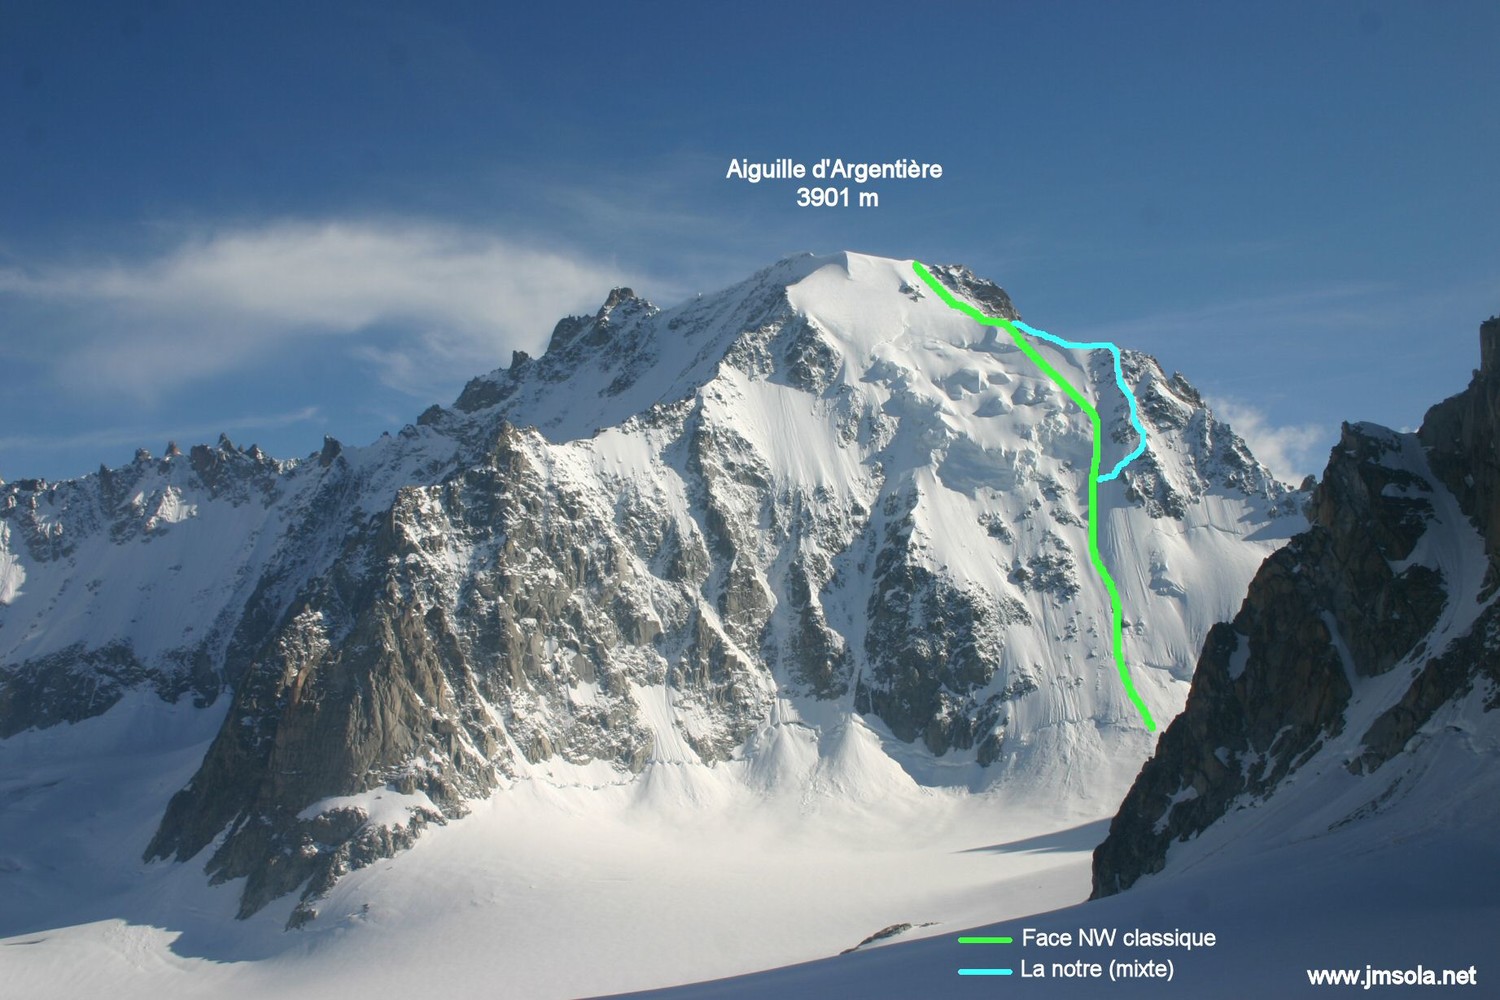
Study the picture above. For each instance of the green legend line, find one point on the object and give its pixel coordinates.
(1117, 614)
(986, 940)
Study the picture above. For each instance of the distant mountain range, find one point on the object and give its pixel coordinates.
(775, 530)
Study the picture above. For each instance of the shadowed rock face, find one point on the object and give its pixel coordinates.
(1324, 612)
(132, 504)
(1464, 450)
(418, 663)
(506, 587)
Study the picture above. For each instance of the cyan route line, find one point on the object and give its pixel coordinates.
(1116, 611)
(1135, 417)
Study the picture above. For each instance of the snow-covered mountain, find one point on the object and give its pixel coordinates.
(816, 532)
(1357, 684)
(1327, 800)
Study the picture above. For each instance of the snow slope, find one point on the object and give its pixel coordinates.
(771, 609)
(548, 892)
(554, 887)
(1398, 870)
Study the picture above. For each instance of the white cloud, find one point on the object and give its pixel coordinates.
(1290, 451)
(442, 302)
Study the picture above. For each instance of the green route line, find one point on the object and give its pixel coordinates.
(1117, 614)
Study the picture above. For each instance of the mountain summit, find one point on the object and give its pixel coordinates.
(817, 531)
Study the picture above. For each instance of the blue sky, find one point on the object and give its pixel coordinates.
(280, 222)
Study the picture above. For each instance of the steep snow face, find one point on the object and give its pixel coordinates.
(912, 474)
(12, 573)
(1353, 695)
(818, 529)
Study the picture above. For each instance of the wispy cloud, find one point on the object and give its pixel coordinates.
(1290, 451)
(437, 302)
(1341, 306)
(185, 433)
(1303, 352)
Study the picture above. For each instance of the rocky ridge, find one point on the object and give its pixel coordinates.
(1357, 641)
(817, 501)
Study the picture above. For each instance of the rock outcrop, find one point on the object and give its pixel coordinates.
(1399, 567)
(821, 498)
